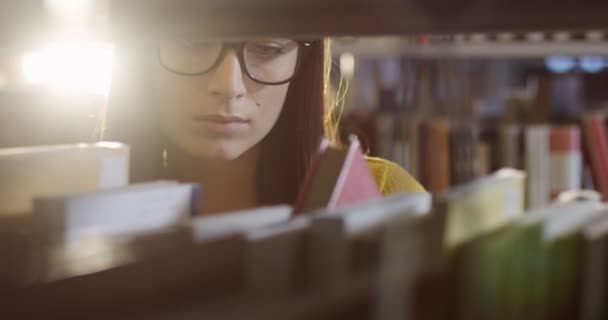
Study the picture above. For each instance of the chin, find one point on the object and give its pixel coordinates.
(216, 151)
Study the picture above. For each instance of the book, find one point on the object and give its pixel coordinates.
(510, 146)
(276, 258)
(464, 153)
(484, 158)
(386, 125)
(336, 178)
(537, 161)
(435, 153)
(54, 262)
(529, 270)
(473, 213)
(239, 222)
(477, 273)
(594, 286)
(562, 239)
(398, 257)
(410, 136)
(566, 160)
(31, 172)
(338, 245)
(482, 205)
(110, 212)
(596, 150)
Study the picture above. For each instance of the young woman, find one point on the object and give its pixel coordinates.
(242, 118)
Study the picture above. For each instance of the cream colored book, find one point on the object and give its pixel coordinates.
(482, 206)
(29, 172)
(131, 209)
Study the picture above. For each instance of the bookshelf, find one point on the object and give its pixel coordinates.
(450, 263)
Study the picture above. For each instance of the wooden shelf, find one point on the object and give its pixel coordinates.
(394, 46)
(26, 20)
(354, 17)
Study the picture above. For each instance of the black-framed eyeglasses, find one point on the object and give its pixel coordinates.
(267, 61)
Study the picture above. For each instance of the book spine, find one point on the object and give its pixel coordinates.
(596, 147)
(537, 160)
(306, 188)
(509, 146)
(114, 169)
(196, 200)
(412, 128)
(386, 127)
(327, 254)
(275, 264)
(465, 158)
(566, 160)
(436, 167)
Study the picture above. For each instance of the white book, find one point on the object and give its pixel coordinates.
(29, 172)
(208, 227)
(328, 250)
(565, 222)
(133, 209)
(538, 165)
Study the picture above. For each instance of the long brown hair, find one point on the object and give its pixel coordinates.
(286, 151)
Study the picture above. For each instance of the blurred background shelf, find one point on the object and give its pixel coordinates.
(461, 48)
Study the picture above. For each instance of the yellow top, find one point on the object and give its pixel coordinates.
(391, 178)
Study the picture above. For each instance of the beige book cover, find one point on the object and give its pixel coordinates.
(31, 172)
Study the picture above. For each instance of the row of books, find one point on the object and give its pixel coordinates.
(78, 240)
(444, 153)
(474, 254)
(141, 252)
(262, 263)
(32, 176)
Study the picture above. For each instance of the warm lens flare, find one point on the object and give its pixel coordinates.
(72, 68)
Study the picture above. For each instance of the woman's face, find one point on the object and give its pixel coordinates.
(222, 113)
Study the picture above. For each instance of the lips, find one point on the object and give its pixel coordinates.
(220, 124)
(221, 119)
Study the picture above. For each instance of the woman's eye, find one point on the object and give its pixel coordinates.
(266, 50)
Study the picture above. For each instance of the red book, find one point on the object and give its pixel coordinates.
(596, 147)
(337, 178)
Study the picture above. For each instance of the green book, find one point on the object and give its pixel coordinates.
(563, 242)
(594, 284)
(526, 290)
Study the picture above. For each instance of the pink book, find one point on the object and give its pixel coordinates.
(337, 178)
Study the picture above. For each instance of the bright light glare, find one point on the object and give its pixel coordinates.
(72, 68)
(347, 65)
(69, 9)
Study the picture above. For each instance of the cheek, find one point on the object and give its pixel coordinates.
(175, 94)
(270, 103)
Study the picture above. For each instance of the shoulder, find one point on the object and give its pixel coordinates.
(391, 177)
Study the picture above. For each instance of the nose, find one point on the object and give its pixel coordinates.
(227, 80)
